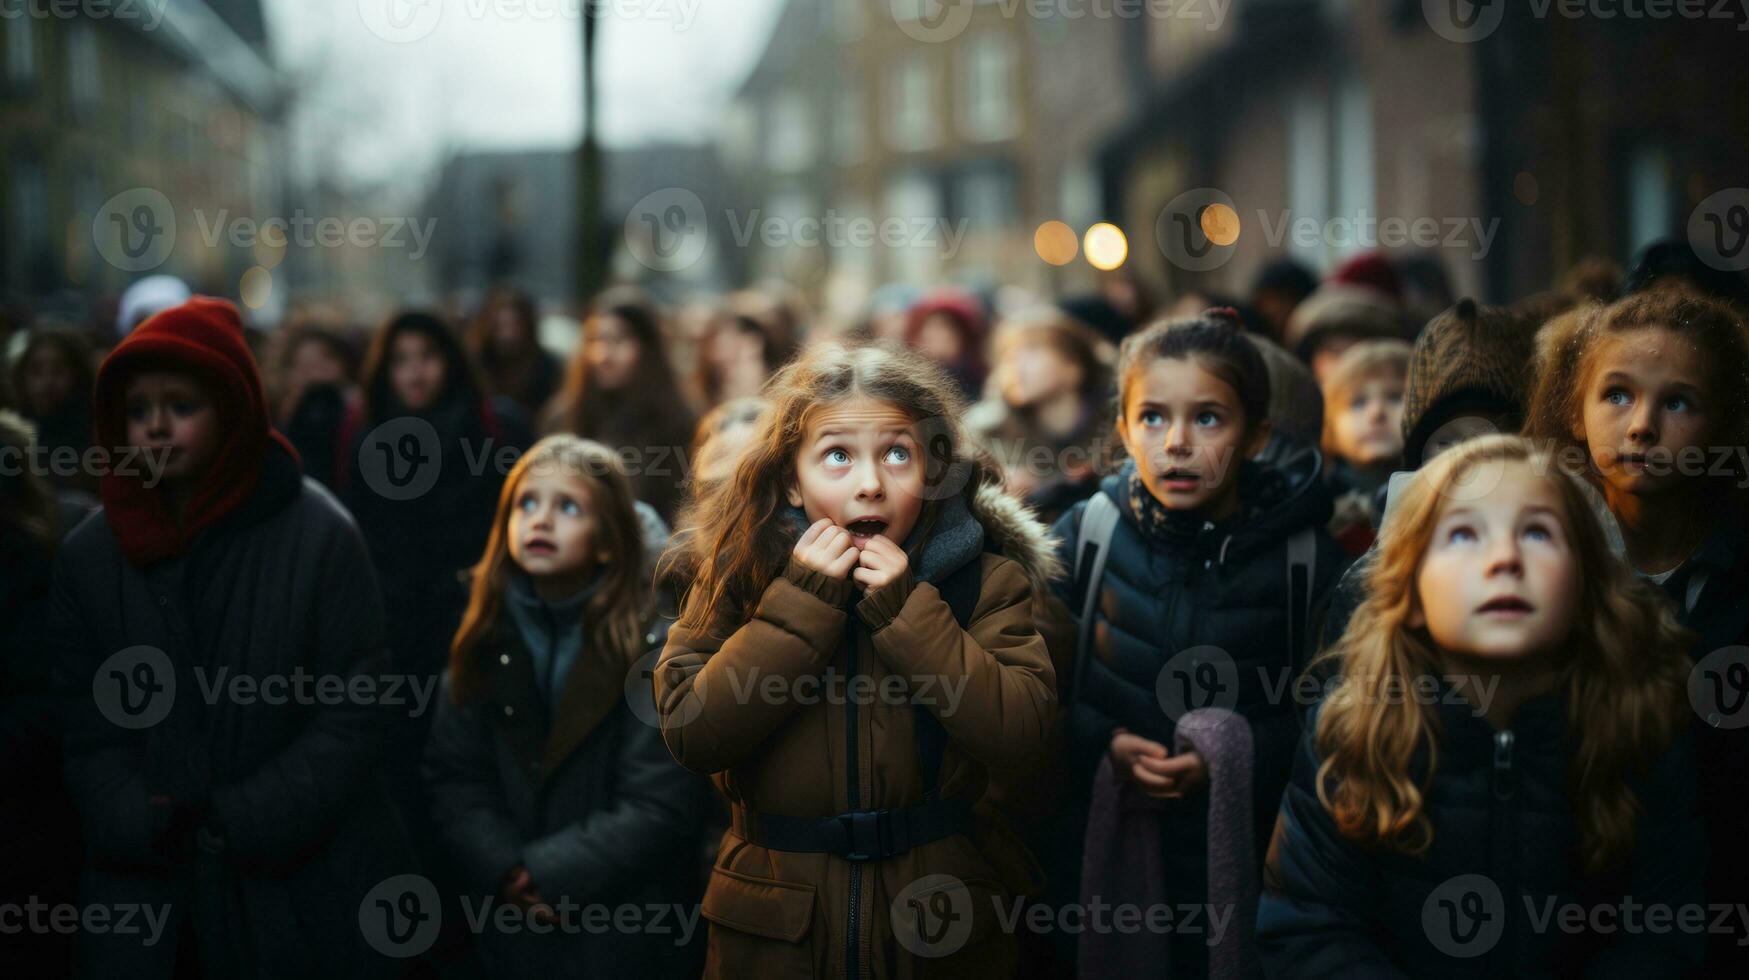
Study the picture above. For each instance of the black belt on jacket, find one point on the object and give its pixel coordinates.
(860, 835)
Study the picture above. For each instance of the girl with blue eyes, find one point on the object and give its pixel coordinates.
(1649, 400)
(856, 665)
(1210, 572)
(1508, 739)
(549, 784)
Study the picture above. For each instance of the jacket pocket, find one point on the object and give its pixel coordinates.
(758, 924)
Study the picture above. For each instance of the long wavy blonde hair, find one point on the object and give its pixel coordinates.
(614, 616)
(1624, 670)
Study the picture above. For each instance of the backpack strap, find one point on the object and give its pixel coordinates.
(1302, 564)
(1092, 547)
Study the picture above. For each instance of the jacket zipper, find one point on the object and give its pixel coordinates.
(852, 938)
(1505, 793)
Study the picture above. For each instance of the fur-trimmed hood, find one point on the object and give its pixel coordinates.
(1017, 534)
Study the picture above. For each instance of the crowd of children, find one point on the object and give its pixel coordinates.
(1322, 634)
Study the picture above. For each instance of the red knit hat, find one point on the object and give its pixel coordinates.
(204, 338)
(1372, 270)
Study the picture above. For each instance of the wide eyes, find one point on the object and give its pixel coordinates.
(1539, 532)
(1618, 396)
(1208, 420)
(1467, 534)
(894, 456)
(1151, 418)
(1676, 403)
(528, 504)
(1462, 534)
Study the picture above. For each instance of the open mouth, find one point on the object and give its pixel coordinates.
(866, 528)
(1630, 459)
(1180, 479)
(1509, 605)
(540, 546)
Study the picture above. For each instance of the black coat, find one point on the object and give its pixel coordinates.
(1223, 585)
(280, 588)
(1716, 576)
(1502, 851)
(589, 801)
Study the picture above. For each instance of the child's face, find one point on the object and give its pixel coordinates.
(860, 465)
(313, 364)
(48, 381)
(416, 370)
(1643, 409)
(939, 338)
(612, 353)
(1187, 432)
(1499, 578)
(1035, 372)
(170, 412)
(1327, 352)
(553, 525)
(1369, 426)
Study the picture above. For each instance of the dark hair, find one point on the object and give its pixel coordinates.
(479, 332)
(580, 407)
(1285, 275)
(72, 346)
(329, 339)
(1216, 341)
(1671, 261)
(461, 377)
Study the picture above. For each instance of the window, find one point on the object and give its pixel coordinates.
(984, 198)
(20, 49)
(792, 134)
(986, 91)
(1353, 153)
(910, 108)
(84, 69)
(849, 119)
(913, 215)
(1650, 191)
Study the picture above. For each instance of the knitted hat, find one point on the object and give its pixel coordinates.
(204, 338)
(1469, 360)
(1372, 270)
(1338, 308)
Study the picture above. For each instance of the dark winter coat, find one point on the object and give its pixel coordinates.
(1711, 596)
(1503, 850)
(1222, 585)
(585, 797)
(278, 588)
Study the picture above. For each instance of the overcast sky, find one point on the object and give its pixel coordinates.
(387, 87)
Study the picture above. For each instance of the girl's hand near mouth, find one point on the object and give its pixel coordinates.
(880, 563)
(827, 549)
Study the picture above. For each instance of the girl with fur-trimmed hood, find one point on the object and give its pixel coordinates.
(854, 658)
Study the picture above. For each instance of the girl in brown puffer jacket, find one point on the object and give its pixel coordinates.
(855, 660)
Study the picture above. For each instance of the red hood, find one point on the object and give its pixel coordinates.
(203, 337)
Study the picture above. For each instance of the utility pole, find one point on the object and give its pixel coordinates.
(591, 253)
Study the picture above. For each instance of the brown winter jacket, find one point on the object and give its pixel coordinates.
(781, 747)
